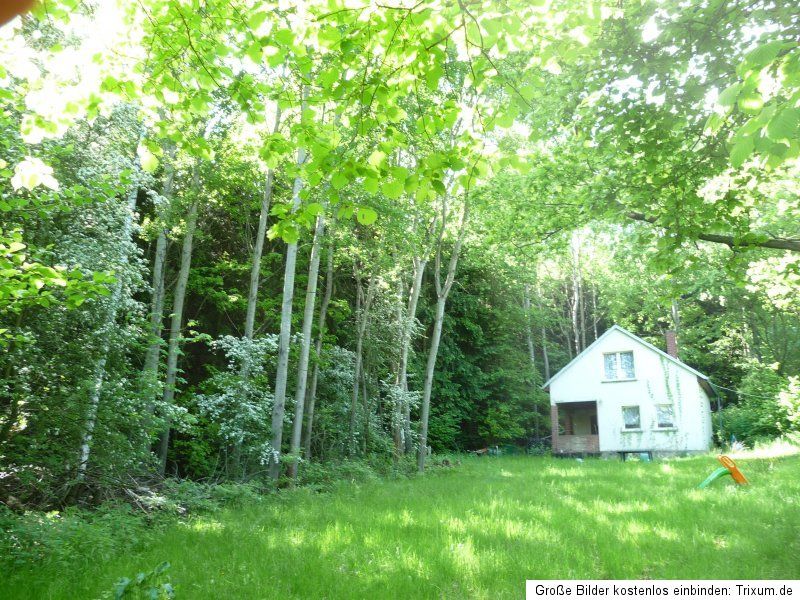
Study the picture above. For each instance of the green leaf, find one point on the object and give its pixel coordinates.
(376, 158)
(751, 102)
(285, 37)
(729, 95)
(345, 212)
(785, 125)
(433, 76)
(393, 188)
(290, 233)
(366, 216)
(741, 150)
(761, 56)
(371, 185)
(339, 180)
(315, 209)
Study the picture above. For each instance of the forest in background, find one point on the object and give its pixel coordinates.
(240, 241)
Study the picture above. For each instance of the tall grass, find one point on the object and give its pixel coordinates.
(475, 531)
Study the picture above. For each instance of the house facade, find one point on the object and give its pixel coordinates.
(622, 394)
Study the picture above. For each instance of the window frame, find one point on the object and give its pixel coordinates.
(639, 421)
(620, 374)
(672, 425)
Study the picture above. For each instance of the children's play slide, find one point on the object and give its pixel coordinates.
(728, 468)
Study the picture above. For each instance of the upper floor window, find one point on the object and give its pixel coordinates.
(619, 365)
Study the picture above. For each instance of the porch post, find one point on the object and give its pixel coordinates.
(554, 427)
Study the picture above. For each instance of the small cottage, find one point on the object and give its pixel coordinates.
(622, 394)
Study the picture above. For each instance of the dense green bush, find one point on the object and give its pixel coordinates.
(767, 409)
(62, 538)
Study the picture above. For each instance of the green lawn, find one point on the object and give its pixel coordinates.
(474, 531)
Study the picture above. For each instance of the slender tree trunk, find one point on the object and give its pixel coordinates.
(430, 368)
(567, 333)
(305, 348)
(397, 408)
(176, 321)
(595, 319)
(258, 251)
(258, 248)
(356, 368)
(150, 370)
(365, 405)
(442, 291)
(363, 302)
(545, 355)
(255, 278)
(526, 305)
(323, 313)
(411, 315)
(676, 317)
(151, 359)
(576, 303)
(105, 333)
(281, 377)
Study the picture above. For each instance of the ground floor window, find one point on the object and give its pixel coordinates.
(665, 415)
(630, 417)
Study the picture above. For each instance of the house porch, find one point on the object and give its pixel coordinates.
(574, 428)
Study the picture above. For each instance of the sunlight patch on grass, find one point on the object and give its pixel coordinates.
(464, 555)
(512, 528)
(203, 525)
(455, 525)
(296, 538)
(775, 449)
(333, 536)
(562, 472)
(666, 534)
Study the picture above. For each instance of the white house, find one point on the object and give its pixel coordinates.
(622, 394)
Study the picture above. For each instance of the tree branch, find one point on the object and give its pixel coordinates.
(729, 240)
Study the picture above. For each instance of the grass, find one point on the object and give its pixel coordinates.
(475, 531)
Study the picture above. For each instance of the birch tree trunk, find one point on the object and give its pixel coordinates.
(176, 321)
(365, 407)
(153, 352)
(442, 291)
(255, 267)
(411, 315)
(397, 409)
(305, 348)
(575, 304)
(105, 333)
(150, 370)
(281, 377)
(526, 305)
(258, 247)
(545, 355)
(595, 319)
(323, 313)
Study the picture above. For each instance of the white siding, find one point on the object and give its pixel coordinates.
(658, 381)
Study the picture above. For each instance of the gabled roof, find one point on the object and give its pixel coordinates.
(636, 338)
